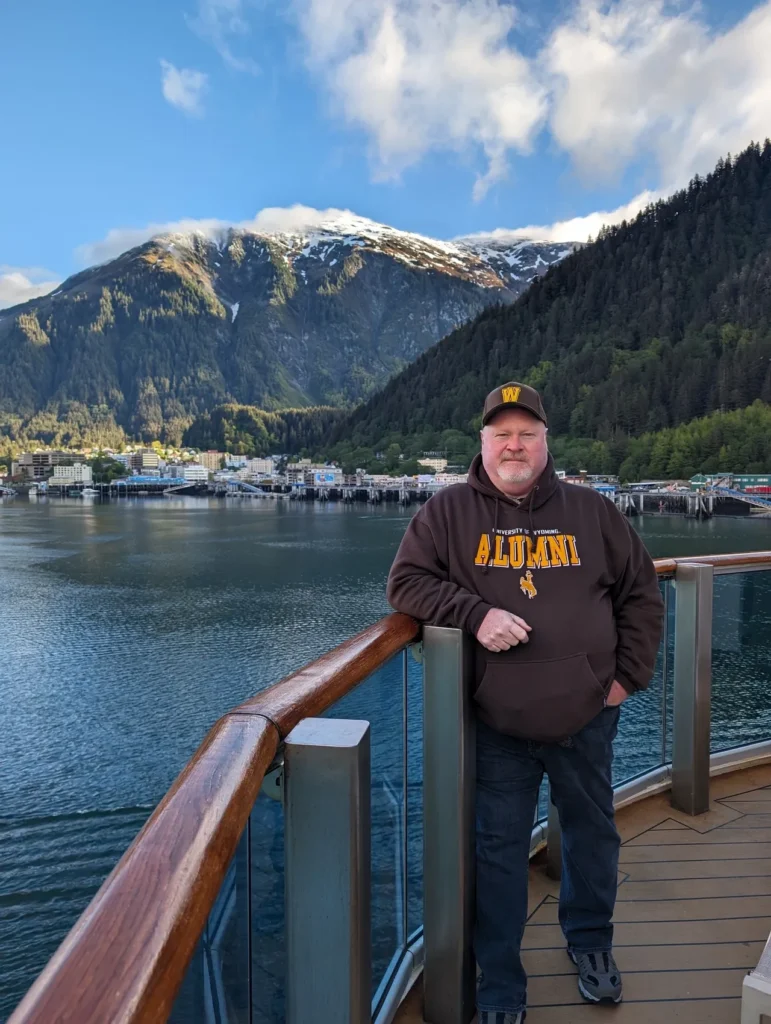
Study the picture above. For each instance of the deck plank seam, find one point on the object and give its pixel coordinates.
(538, 907)
(657, 846)
(660, 970)
(651, 945)
(698, 878)
(629, 1002)
(692, 899)
(675, 920)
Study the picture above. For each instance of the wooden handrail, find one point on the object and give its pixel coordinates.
(124, 960)
(321, 684)
(667, 566)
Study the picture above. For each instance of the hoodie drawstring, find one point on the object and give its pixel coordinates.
(495, 527)
(530, 511)
(495, 533)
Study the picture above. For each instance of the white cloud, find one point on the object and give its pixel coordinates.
(184, 88)
(217, 21)
(20, 284)
(119, 240)
(576, 229)
(631, 79)
(273, 219)
(298, 218)
(615, 82)
(422, 75)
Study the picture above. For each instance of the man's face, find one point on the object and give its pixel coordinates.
(514, 451)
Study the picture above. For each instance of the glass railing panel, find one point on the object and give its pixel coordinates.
(268, 950)
(381, 700)
(414, 789)
(641, 743)
(741, 659)
(216, 986)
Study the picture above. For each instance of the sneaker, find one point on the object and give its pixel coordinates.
(599, 979)
(499, 1017)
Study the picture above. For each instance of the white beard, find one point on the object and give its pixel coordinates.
(515, 472)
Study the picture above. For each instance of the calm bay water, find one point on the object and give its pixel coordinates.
(127, 629)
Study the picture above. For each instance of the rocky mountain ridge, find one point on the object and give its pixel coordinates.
(319, 316)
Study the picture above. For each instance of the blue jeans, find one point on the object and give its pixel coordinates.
(509, 773)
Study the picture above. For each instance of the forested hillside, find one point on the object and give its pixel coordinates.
(245, 430)
(661, 321)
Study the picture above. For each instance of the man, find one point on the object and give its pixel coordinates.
(564, 603)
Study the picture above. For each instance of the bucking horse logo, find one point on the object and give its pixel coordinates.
(527, 586)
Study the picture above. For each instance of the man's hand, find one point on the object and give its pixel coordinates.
(501, 630)
(616, 694)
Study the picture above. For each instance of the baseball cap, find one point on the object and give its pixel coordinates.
(513, 396)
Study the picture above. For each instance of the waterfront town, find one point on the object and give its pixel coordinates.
(157, 471)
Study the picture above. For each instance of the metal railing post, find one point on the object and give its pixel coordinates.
(449, 975)
(327, 880)
(693, 687)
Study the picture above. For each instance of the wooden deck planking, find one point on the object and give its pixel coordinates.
(693, 914)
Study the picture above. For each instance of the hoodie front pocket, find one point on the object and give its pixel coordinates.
(546, 701)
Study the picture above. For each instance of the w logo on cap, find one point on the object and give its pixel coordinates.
(511, 394)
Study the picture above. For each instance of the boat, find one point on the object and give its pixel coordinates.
(299, 908)
(89, 492)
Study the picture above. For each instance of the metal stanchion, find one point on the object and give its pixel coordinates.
(327, 886)
(448, 827)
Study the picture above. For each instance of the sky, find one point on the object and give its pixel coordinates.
(546, 118)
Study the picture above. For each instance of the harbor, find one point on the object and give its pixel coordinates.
(702, 504)
(131, 626)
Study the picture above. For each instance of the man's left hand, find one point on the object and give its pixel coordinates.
(616, 695)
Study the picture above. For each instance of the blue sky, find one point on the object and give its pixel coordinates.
(444, 117)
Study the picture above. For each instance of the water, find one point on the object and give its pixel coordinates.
(127, 629)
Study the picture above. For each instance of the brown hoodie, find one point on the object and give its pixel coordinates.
(567, 562)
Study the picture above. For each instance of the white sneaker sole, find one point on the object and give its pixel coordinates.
(593, 999)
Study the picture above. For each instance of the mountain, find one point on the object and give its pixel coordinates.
(187, 322)
(657, 323)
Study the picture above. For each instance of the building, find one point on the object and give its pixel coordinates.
(752, 482)
(325, 476)
(144, 459)
(260, 467)
(39, 465)
(438, 465)
(607, 489)
(194, 473)
(445, 479)
(211, 460)
(72, 476)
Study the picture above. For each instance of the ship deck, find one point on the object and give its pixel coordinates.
(692, 917)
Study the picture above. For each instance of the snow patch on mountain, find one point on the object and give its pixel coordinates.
(496, 260)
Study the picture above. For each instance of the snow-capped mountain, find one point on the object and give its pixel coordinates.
(323, 314)
(490, 261)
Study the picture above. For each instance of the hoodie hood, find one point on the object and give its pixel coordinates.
(539, 494)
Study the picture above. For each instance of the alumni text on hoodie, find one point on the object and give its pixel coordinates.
(566, 561)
